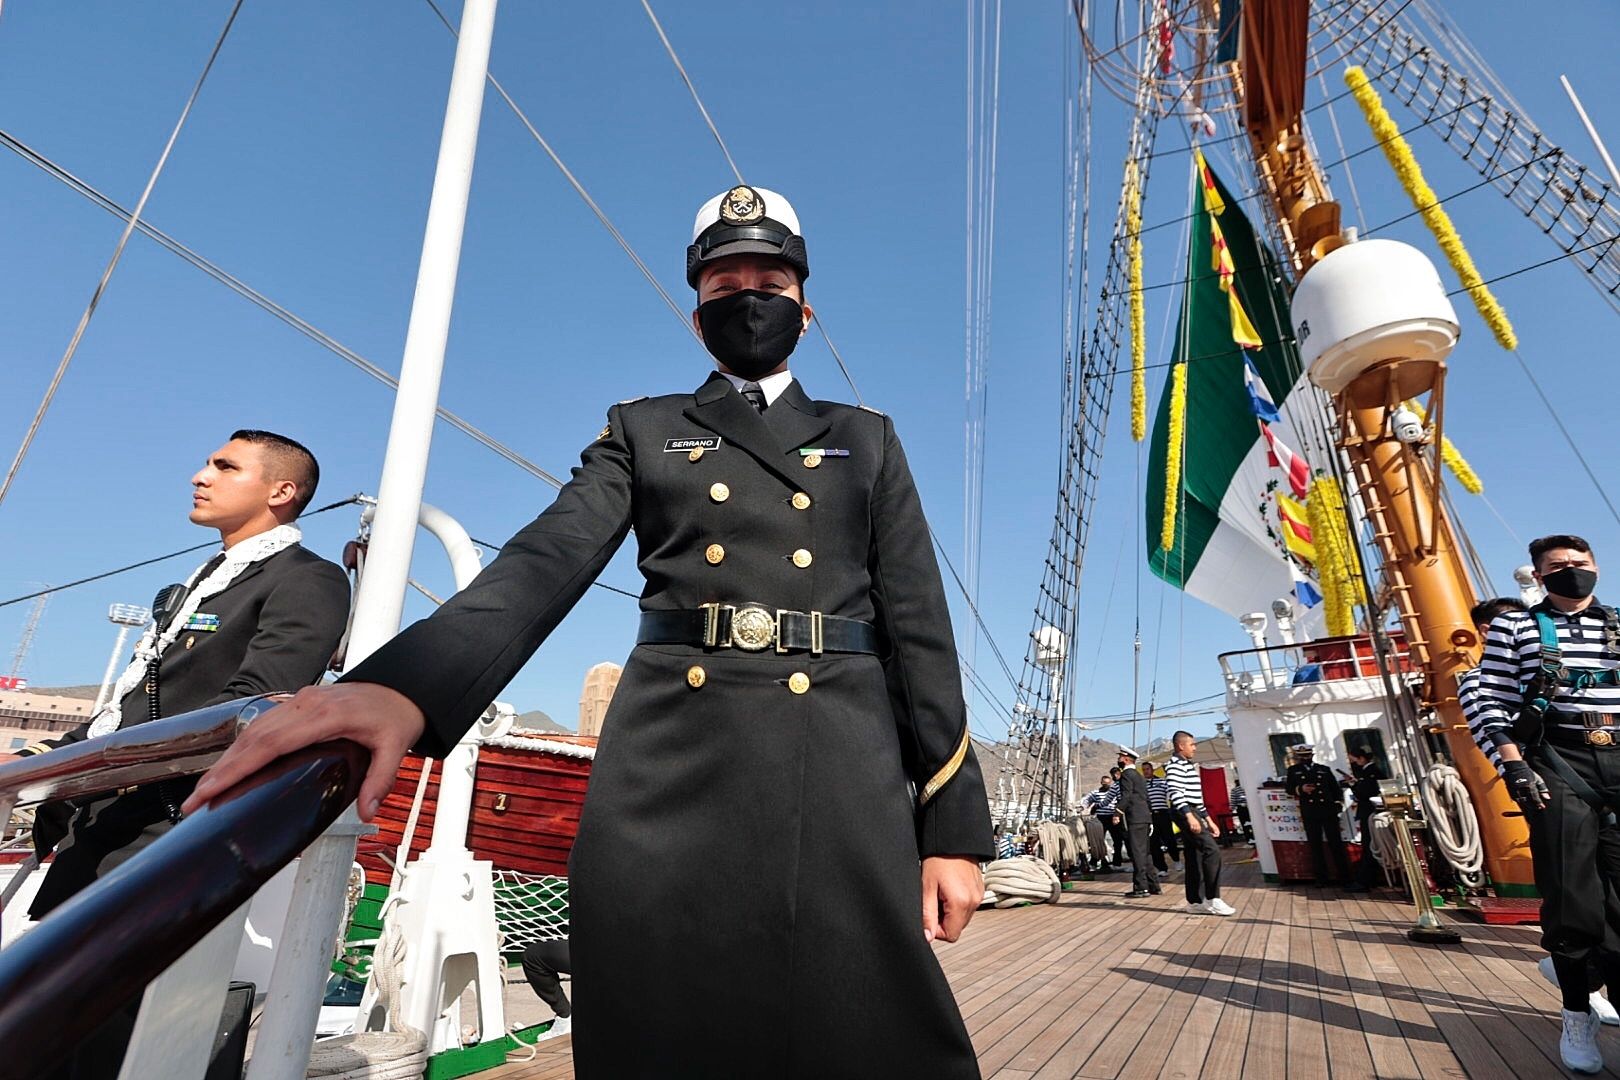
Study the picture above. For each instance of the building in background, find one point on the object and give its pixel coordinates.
(600, 682)
(29, 716)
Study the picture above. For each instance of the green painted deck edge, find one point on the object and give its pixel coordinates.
(1505, 889)
(450, 1064)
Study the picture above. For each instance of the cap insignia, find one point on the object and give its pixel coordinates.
(741, 205)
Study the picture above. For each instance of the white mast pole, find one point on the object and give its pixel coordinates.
(399, 494)
(1603, 151)
(299, 977)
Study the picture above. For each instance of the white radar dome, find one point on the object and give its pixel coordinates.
(1367, 302)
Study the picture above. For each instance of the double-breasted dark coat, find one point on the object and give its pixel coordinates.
(745, 888)
(277, 626)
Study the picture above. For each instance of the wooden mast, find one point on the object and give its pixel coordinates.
(1423, 567)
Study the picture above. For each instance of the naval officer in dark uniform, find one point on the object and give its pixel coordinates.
(1133, 804)
(1321, 805)
(785, 779)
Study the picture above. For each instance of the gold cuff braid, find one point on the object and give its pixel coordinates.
(944, 775)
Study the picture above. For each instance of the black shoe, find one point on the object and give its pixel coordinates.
(1137, 894)
(1155, 891)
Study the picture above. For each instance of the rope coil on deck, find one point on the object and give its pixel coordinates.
(1454, 825)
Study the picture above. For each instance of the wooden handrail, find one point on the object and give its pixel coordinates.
(181, 745)
(59, 981)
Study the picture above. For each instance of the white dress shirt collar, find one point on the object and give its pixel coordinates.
(773, 385)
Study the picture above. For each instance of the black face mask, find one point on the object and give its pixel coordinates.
(1571, 583)
(751, 332)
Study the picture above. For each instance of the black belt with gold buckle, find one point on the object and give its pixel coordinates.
(755, 628)
(1595, 729)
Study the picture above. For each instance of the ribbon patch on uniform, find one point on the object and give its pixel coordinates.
(206, 624)
(682, 446)
(822, 452)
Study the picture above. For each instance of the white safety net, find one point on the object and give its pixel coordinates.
(529, 908)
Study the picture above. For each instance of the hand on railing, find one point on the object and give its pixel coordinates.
(62, 979)
(380, 719)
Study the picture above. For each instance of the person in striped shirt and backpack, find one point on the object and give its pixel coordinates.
(1547, 698)
(1203, 862)
(1103, 804)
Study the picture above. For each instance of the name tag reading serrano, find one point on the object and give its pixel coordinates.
(684, 446)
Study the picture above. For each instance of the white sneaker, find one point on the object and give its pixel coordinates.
(1578, 1046)
(1218, 906)
(1198, 909)
(1163, 874)
(1601, 1008)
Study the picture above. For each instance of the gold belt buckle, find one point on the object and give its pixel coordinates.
(752, 628)
(1599, 737)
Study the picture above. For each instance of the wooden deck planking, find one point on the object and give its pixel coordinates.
(1301, 983)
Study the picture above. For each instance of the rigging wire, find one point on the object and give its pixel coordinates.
(709, 120)
(350, 501)
(692, 89)
(112, 263)
(260, 300)
(579, 188)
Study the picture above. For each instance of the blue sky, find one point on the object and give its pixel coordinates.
(305, 170)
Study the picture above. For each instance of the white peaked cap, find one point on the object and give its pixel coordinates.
(776, 207)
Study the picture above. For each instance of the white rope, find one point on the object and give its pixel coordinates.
(1454, 825)
(397, 1054)
(514, 741)
(1386, 846)
(1023, 879)
(112, 263)
(402, 856)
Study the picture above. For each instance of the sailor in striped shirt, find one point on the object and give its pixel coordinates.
(1203, 861)
(1475, 708)
(1163, 837)
(1566, 776)
(1103, 804)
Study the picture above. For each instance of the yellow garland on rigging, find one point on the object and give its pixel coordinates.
(1464, 472)
(1427, 203)
(1337, 566)
(1133, 227)
(1174, 441)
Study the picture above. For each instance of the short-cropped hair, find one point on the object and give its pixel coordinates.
(288, 459)
(1540, 547)
(1485, 612)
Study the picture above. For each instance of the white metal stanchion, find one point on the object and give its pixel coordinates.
(284, 1040)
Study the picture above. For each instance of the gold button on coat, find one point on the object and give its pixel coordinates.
(696, 676)
(696, 454)
(801, 501)
(719, 492)
(715, 554)
(802, 558)
(799, 682)
(812, 460)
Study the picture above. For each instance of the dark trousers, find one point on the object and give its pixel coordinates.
(1137, 831)
(1164, 836)
(1367, 870)
(1116, 833)
(543, 961)
(1242, 813)
(1577, 864)
(1327, 844)
(1203, 865)
(1156, 842)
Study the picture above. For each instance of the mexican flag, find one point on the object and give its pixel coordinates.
(1251, 423)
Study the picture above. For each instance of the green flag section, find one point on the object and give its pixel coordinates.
(1228, 547)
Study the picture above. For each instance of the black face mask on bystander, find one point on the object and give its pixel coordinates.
(1571, 583)
(751, 332)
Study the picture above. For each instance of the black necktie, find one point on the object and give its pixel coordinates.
(755, 396)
